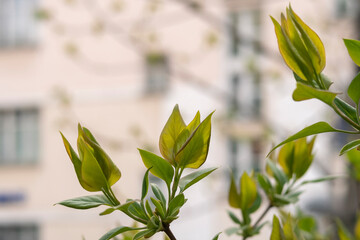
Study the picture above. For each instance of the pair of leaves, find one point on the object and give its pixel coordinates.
(296, 157)
(300, 46)
(94, 168)
(185, 145)
(245, 197)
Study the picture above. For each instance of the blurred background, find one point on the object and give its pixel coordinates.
(119, 66)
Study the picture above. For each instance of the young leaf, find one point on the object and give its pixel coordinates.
(305, 92)
(353, 90)
(277, 233)
(312, 41)
(192, 178)
(234, 218)
(265, 183)
(195, 151)
(107, 211)
(159, 195)
(353, 47)
(343, 233)
(216, 236)
(320, 127)
(137, 211)
(317, 180)
(248, 191)
(186, 133)
(169, 134)
(159, 207)
(234, 195)
(279, 175)
(293, 60)
(176, 203)
(349, 146)
(116, 231)
(86, 202)
(345, 108)
(159, 166)
(146, 232)
(357, 228)
(145, 185)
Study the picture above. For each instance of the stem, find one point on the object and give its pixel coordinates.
(168, 231)
(175, 184)
(262, 215)
(116, 201)
(343, 116)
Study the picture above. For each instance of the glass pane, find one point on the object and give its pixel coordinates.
(27, 142)
(9, 137)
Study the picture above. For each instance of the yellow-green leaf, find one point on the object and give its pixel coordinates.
(248, 191)
(169, 134)
(353, 47)
(91, 171)
(195, 151)
(234, 195)
(305, 92)
(159, 167)
(287, 53)
(354, 89)
(277, 233)
(286, 158)
(312, 42)
(186, 133)
(357, 229)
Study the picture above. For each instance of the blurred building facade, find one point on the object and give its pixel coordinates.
(119, 67)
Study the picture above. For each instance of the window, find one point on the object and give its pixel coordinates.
(157, 73)
(19, 232)
(18, 136)
(17, 23)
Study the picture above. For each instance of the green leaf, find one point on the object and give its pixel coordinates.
(186, 133)
(353, 47)
(277, 233)
(317, 180)
(348, 110)
(136, 209)
(354, 89)
(305, 92)
(86, 202)
(91, 171)
(357, 228)
(289, 53)
(303, 156)
(159, 166)
(158, 207)
(159, 195)
(108, 168)
(176, 203)
(279, 175)
(192, 178)
(216, 236)
(116, 231)
(232, 230)
(107, 211)
(234, 218)
(248, 191)
(265, 183)
(144, 233)
(312, 41)
(343, 233)
(349, 146)
(145, 185)
(195, 151)
(256, 204)
(169, 134)
(234, 195)
(148, 208)
(320, 127)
